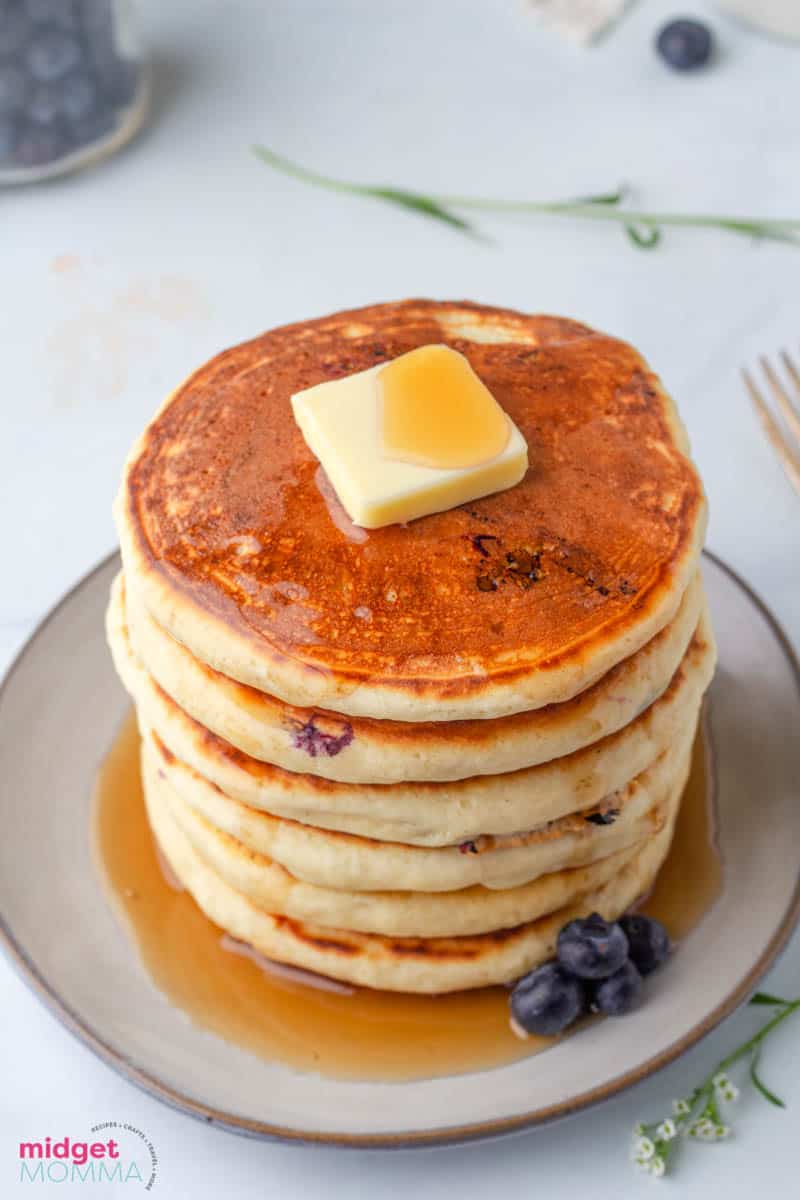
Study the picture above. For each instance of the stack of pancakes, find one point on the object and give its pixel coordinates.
(404, 758)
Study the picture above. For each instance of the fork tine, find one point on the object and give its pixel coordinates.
(791, 370)
(782, 398)
(789, 461)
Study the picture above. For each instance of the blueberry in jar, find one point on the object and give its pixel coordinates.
(38, 145)
(8, 138)
(685, 45)
(52, 54)
(51, 12)
(619, 993)
(77, 95)
(14, 28)
(547, 1000)
(91, 128)
(13, 88)
(72, 99)
(117, 76)
(591, 947)
(43, 106)
(648, 942)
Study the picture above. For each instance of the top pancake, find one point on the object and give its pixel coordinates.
(518, 600)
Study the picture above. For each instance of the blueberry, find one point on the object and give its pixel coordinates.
(78, 95)
(92, 127)
(14, 29)
(13, 88)
(8, 138)
(121, 82)
(72, 98)
(685, 45)
(592, 948)
(98, 14)
(43, 106)
(51, 12)
(52, 54)
(98, 25)
(38, 145)
(619, 993)
(117, 75)
(547, 1000)
(648, 942)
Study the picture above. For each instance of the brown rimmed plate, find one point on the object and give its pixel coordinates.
(60, 706)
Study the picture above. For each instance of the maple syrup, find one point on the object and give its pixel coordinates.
(358, 1034)
(437, 412)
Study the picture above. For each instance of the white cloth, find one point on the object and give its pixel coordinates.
(580, 20)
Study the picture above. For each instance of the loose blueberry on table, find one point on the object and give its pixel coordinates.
(598, 968)
(685, 45)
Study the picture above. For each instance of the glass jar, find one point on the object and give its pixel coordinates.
(73, 85)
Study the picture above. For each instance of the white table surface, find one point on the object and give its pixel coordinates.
(120, 280)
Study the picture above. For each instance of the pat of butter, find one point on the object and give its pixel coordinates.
(342, 423)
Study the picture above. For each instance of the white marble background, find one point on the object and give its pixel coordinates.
(118, 281)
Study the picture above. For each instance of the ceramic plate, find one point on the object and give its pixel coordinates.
(59, 709)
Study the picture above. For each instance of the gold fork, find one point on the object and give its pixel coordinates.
(785, 438)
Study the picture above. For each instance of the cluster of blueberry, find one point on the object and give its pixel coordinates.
(62, 79)
(599, 968)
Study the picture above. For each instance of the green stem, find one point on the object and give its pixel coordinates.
(791, 1006)
(306, 174)
(642, 227)
(702, 1098)
(599, 212)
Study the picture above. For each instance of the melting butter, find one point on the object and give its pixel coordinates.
(412, 437)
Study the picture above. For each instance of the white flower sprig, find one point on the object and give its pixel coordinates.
(698, 1116)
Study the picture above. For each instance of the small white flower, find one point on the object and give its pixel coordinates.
(725, 1088)
(652, 1166)
(703, 1129)
(681, 1108)
(644, 1149)
(667, 1130)
(721, 1132)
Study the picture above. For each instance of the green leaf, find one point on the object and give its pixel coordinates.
(415, 201)
(768, 231)
(604, 197)
(760, 1086)
(420, 203)
(765, 998)
(646, 237)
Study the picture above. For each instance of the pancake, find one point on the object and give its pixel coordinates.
(363, 750)
(241, 843)
(431, 814)
(428, 965)
(236, 546)
(395, 914)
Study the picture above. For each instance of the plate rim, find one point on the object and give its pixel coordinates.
(409, 1139)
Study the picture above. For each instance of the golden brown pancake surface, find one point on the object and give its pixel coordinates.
(228, 505)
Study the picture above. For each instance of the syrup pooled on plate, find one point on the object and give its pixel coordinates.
(361, 1034)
